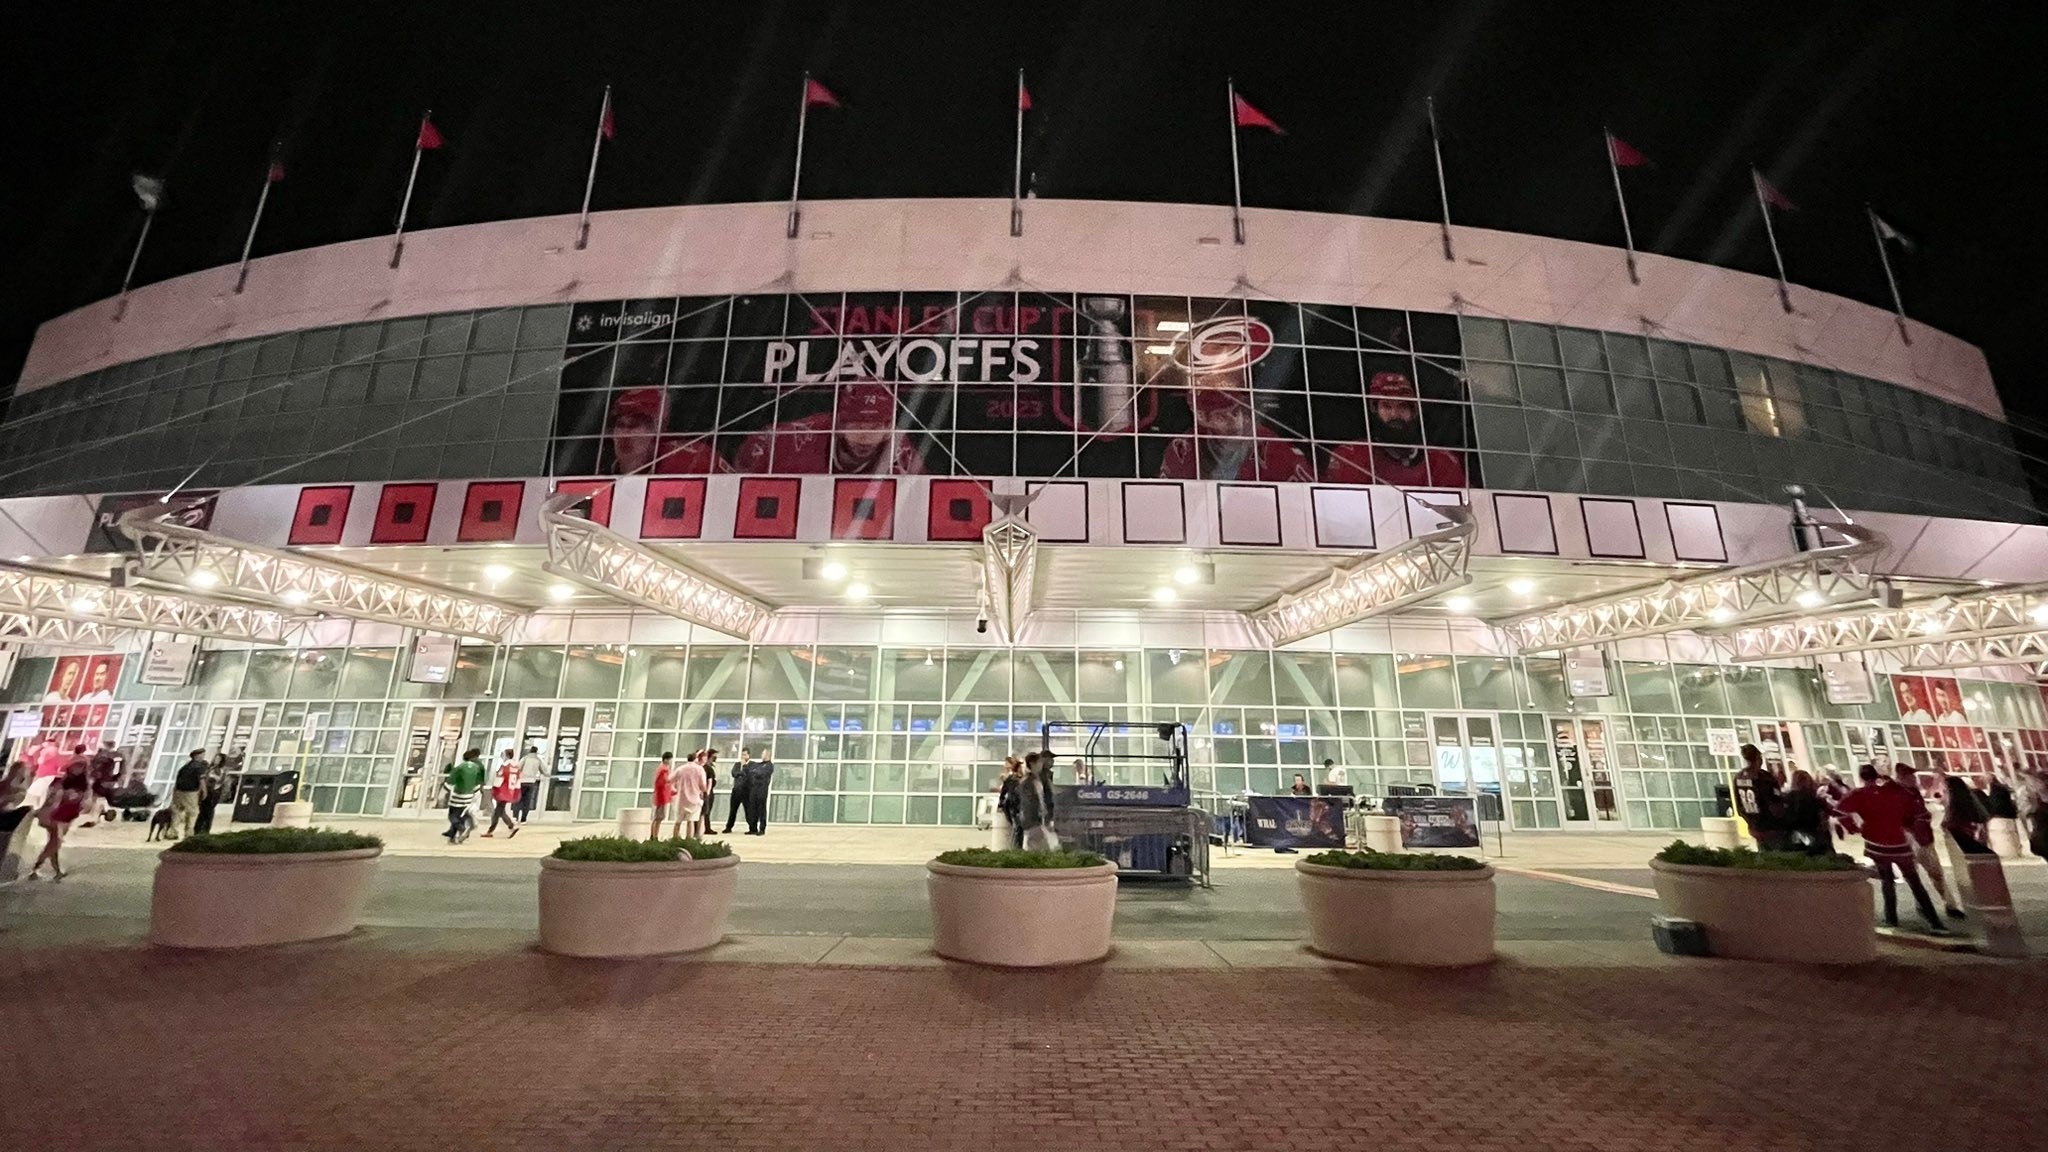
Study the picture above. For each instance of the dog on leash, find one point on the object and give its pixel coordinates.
(159, 825)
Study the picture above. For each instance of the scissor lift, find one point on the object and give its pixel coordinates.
(1135, 808)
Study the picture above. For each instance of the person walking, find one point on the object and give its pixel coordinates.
(465, 779)
(693, 791)
(665, 796)
(104, 776)
(1003, 831)
(1884, 814)
(212, 783)
(1035, 806)
(1756, 799)
(186, 787)
(47, 759)
(1805, 817)
(1920, 824)
(14, 817)
(505, 790)
(65, 801)
(1966, 818)
(530, 769)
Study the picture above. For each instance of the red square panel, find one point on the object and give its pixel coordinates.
(767, 508)
(959, 510)
(674, 509)
(404, 512)
(863, 509)
(322, 512)
(600, 493)
(490, 511)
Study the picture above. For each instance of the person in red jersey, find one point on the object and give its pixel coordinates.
(638, 443)
(857, 437)
(1884, 814)
(1232, 443)
(1397, 455)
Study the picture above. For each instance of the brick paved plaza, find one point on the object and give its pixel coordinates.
(393, 1039)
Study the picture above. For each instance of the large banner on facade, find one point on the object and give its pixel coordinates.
(1009, 383)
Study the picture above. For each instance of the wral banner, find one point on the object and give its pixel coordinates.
(1434, 821)
(1005, 383)
(1294, 822)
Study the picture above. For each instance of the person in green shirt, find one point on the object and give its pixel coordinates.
(464, 778)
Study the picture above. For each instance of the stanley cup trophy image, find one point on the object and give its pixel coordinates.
(1104, 360)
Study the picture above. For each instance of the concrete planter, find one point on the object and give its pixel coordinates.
(1021, 917)
(226, 900)
(603, 909)
(1431, 919)
(1801, 917)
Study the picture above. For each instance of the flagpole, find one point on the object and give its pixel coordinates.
(1885, 258)
(1236, 181)
(1443, 194)
(1017, 168)
(590, 181)
(1763, 203)
(148, 218)
(796, 180)
(405, 205)
(249, 243)
(1628, 234)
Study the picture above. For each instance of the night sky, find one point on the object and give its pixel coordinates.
(1930, 113)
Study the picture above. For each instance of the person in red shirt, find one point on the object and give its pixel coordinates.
(665, 796)
(857, 437)
(1231, 443)
(505, 790)
(1921, 825)
(1884, 813)
(1396, 456)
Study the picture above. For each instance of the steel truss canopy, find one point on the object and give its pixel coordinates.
(1009, 575)
(1994, 626)
(61, 633)
(1425, 566)
(68, 596)
(600, 559)
(174, 553)
(1831, 574)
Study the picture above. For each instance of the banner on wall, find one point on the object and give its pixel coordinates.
(1435, 821)
(1293, 822)
(1007, 383)
(83, 679)
(1585, 673)
(1845, 679)
(433, 659)
(105, 538)
(168, 662)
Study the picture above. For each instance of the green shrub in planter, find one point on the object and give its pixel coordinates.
(1395, 861)
(254, 841)
(624, 850)
(1019, 858)
(1679, 852)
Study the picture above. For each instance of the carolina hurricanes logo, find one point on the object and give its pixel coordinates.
(1226, 344)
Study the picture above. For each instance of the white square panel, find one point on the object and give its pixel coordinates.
(1154, 514)
(1343, 517)
(1696, 532)
(1612, 528)
(1524, 523)
(1059, 512)
(1248, 514)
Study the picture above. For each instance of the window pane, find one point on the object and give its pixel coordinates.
(1426, 681)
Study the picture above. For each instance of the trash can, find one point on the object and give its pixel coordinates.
(1383, 833)
(257, 794)
(636, 823)
(1724, 803)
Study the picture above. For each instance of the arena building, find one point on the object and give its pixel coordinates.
(883, 498)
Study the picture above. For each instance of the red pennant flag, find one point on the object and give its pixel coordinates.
(818, 96)
(1250, 117)
(430, 136)
(1625, 154)
(609, 128)
(1773, 197)
(1023, 98)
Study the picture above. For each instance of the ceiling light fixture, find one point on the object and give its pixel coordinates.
(1186, 574)
(294, 596)
(1809, 599)
(1721, 614)
(496, 572)
(204, 579)
(1164, 594)
(833, 570)
(1459, 603)
(1522, 586)
(85, 604)
(560, 591)
(856, 591)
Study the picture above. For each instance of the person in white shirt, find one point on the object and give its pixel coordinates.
(531, 766)
(1332, 774)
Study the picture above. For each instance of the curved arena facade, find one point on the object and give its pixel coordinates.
(883, 499)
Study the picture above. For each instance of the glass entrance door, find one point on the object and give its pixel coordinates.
(1467, 755)
(433, 738)
(1585, 774)
(559, 732)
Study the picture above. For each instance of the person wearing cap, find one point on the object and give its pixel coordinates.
(638, 444)
(857, 437)
(1232, 443)
(1397, 455)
